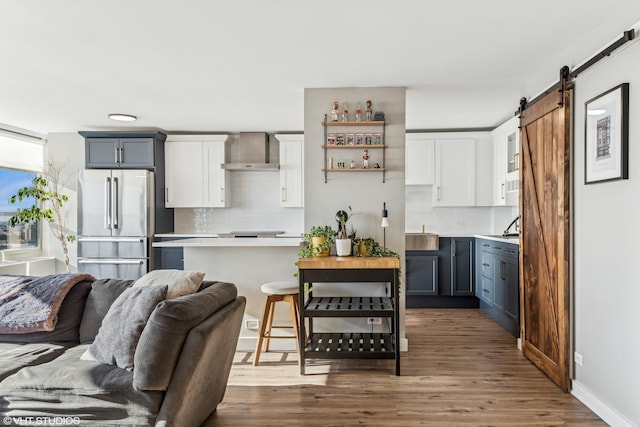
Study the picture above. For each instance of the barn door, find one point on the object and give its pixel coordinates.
(544, 251)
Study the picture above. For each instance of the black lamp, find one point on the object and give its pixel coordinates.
(384, 225)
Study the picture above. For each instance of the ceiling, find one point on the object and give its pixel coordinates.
(242, 65)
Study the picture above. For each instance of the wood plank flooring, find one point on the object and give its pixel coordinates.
(462, 369)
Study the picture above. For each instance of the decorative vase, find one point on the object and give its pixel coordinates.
(343, 247)
(315, 244)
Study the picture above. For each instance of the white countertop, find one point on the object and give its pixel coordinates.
(513, 240)
(196, 235)
(211, 242)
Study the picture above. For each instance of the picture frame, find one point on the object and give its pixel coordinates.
(351, 139)
(331, 139)
(606, 118)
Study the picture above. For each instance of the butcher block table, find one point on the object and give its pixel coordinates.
(349, 345)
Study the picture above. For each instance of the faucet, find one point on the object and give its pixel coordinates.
(517, 224)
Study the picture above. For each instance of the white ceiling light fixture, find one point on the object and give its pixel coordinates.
(123, 117)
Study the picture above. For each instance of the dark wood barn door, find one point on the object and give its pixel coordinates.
(544, 252)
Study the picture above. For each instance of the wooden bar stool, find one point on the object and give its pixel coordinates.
(278, 291)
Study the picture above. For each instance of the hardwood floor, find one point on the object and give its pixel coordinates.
(462, 369)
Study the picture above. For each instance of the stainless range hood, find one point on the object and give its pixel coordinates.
(252, 154)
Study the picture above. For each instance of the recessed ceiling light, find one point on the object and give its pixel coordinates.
(596, 112)
(123, 117)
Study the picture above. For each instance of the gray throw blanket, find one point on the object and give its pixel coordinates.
(30, 304)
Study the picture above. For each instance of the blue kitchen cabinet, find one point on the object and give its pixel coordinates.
(443, 278)
(422, 273)
(497, 279)
(169, 258)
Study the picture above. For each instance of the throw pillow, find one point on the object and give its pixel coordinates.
(121, 328)
(180, 282)
(103, 293)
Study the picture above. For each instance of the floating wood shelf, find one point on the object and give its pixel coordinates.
(369, 123)
(354, 170)
(358, 147)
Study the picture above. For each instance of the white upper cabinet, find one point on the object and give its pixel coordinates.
(194, 177)
(419, 159)
(454, 183)
(291, 170)
(216, 185)
(506, 149)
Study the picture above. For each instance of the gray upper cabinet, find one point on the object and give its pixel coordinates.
(130, 150)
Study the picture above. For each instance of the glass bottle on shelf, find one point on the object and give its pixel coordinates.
(358, 112)
(345, 113)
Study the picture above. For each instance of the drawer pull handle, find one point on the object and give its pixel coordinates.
(486, 290)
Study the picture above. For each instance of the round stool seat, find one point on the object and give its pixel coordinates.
(279, 288)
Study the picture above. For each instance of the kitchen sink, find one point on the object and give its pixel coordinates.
(421, 242)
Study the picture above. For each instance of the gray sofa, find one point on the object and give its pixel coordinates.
(182, 362)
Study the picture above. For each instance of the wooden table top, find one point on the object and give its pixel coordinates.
(350, 262)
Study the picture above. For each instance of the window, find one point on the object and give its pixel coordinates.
(23, 236)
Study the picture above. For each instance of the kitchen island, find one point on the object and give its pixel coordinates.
(350, 345)
(246, 262)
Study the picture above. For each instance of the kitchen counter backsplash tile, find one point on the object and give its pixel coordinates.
(255, 205)
(454, 221)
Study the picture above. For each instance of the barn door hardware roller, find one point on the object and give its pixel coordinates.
(565, 77)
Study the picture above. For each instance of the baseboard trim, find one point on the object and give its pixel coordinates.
(609, 415)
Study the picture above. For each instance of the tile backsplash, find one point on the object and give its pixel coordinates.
(254, 205)
(449, 221)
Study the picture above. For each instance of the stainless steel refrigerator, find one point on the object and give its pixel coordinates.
(116, 211)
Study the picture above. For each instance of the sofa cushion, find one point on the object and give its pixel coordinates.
(103, 293)
(97, 394)
(69, 318)
(118, 336)
(162, 339)
(180, 282)
(14, 356)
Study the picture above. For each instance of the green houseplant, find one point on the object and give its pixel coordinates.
(50, 205)
(318, 241)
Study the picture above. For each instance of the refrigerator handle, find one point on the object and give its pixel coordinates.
(107, 203)
(114, 203)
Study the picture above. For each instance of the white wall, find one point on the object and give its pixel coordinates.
(606, 290)
(364, 192)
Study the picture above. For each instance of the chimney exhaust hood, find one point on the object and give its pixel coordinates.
(253, 153)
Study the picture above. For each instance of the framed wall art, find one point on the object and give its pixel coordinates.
(607, 136)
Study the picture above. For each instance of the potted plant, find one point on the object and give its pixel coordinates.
(50, 205)
(319, 240)
(343, 242)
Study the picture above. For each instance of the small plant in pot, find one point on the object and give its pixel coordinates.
(343, 243)
(319, 240)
